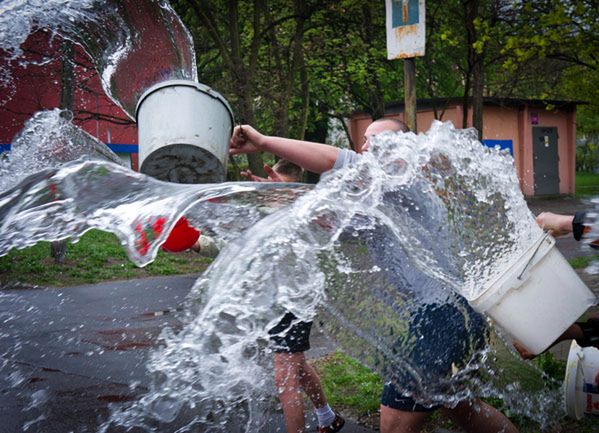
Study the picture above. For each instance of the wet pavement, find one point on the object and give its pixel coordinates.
(73, 351)
(67, 354)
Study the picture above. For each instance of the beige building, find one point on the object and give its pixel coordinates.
(542, 141)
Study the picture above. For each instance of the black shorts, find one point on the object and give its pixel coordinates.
(291, 335)
(444, 339)
(395, 400)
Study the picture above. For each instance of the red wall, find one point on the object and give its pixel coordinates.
(36, 85)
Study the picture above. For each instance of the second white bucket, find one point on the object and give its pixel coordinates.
(184, 130)
(537, 297)
(580, 385)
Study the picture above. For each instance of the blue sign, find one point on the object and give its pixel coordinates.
(118, 148)
(404, 12)
(503, 144)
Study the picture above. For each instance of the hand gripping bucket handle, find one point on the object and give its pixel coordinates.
(534, 254)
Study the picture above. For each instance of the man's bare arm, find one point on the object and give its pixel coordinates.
(315, 157)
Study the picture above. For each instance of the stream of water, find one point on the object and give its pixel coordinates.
(376, 251)
(133, 44)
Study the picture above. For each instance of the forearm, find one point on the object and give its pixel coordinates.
(556, 224)
(315, 157)
(574, 332)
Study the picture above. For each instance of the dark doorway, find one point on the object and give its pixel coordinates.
(545, 160)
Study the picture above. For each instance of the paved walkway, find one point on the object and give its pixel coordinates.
(68, 353)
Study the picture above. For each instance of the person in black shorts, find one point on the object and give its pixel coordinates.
(290, 338)
(443, 336)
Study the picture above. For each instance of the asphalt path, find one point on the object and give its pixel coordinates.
(67, 354)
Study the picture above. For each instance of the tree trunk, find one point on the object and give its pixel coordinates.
(376, 94)
(318, 134)
(466, 102)
(244, 75)
(255, 161)
(58, 249)
(477, 95)
(305, 99)
(470, 14)
(476, 58)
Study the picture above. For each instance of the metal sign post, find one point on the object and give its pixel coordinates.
(406, 40)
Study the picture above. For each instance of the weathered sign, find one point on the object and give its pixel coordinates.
(405, 28)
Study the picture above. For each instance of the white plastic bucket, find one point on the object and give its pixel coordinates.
(580, 389)
(184, 130)
(537, 297)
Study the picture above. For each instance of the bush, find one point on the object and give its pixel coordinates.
(587, 155)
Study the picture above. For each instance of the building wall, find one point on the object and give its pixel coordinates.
(36, 85)
(509, 127)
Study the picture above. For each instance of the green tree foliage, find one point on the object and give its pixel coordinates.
(288, 66)
(552, 54)
(348, 59)
(252, 51)
(587, 155)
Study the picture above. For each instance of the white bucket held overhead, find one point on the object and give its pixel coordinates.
(184, 132)
(580, 385)
(537, 297)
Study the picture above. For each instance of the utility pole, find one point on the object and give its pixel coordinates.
(409, 85)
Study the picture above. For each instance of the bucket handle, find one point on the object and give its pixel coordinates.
(546, 233)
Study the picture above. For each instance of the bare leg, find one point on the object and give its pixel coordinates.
(399, 421)
(287, 381)
(311, 385)
(479, 417)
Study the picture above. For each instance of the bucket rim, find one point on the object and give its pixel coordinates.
(479, 300)
(184, 83)
(575, 355)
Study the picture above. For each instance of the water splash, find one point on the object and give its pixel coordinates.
(373, 251)
(379, 251)
(48, 140)
(68, 201)
(116, 34)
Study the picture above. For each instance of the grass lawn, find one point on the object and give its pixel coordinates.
(98, 256)
(583, 261)
(587, 185)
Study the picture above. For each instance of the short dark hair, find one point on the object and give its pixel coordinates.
(399, 126)
(289, 169)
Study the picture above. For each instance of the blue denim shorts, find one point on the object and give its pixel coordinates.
(440, 337)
